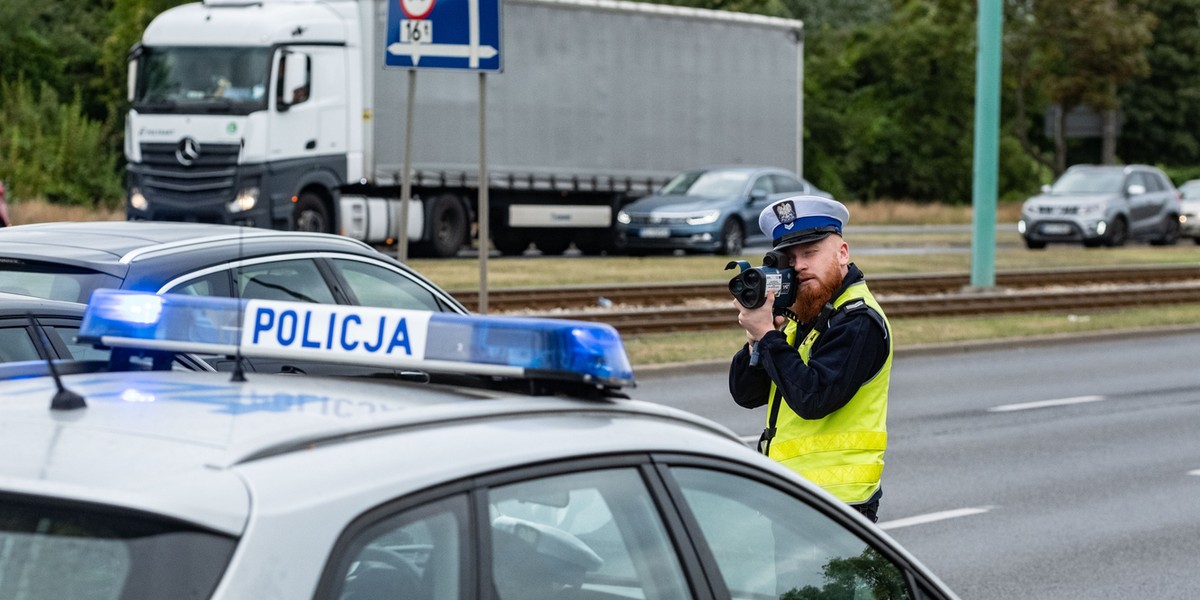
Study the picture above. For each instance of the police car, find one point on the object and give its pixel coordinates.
(508, 465)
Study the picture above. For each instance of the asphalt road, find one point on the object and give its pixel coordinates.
(1047, 471)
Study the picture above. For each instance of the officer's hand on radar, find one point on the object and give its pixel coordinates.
(757, 321)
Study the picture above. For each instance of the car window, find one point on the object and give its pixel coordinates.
(291, 280)
(1137, 178)
(1089, 181)
(16, 344)
(769, 544)
(418, 554)
(373, 285)
(1153, 183)
(580, 535)
(706, 183)
(68, 333)
(784, 183)
(80, 551)
(47, 280)
(212, 284)
(763, 184)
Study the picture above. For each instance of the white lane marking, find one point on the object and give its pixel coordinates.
(932, 517)
(1045, 403)
(1196, 472)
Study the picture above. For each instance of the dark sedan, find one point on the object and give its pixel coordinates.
(67, 261)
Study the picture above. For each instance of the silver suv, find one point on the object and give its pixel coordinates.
(1105, 205)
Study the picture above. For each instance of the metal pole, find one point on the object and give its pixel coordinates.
(484, 236)
(800, 102)
(406, 178)
(987, 144)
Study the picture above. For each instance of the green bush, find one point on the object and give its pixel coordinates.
(51, 149)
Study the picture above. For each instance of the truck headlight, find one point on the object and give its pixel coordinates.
(138, 200)
(705, 218)
(246, 199)
(623, 217)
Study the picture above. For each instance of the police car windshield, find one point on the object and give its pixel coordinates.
(89, 551)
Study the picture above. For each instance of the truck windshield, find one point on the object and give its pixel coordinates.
(202, 80)
(707, 183)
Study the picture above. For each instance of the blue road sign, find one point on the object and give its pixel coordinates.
(444, 34)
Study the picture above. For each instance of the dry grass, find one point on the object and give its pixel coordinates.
(40, 211)
(908, 212)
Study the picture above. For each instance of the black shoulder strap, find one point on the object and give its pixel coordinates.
(764, 440)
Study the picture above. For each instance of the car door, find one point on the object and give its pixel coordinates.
(619, 527)
(1143, 202)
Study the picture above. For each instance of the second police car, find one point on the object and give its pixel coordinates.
(508, 465)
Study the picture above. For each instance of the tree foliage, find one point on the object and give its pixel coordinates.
(889, 90)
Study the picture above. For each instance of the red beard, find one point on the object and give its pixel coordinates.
(810, 299)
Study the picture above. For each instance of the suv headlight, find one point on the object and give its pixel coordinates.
(704, 218)
(623, 217)
(1091, 209)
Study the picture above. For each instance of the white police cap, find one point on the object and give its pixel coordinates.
(802, 219)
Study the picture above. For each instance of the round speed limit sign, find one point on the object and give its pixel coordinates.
(416, 9)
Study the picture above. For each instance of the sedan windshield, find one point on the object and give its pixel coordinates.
(707, 183)
(188, 79)
(1089, 181)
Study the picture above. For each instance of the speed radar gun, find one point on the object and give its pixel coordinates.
(751, 284)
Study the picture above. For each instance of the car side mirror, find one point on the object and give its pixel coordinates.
(1136, 189)
(758, 194)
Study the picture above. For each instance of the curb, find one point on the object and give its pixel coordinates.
(1059, 339)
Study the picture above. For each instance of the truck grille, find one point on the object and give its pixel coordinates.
(211, 174)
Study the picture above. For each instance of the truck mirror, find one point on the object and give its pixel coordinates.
(131, 79)
(295, 77)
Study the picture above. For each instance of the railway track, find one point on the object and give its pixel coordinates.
(698, 306)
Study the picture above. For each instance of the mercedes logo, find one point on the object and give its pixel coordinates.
(187, 151)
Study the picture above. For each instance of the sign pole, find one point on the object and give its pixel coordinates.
(406, 178)
(987, 144)
(484, 208)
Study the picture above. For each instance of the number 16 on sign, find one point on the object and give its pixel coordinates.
(416, 32)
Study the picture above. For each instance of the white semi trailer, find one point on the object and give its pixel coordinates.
(279, 114)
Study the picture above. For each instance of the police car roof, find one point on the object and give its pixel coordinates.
(196, 446)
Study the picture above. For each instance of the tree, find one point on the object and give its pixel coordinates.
(1079, 53)
(1162, 107)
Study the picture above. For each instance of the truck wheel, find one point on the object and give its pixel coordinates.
(510, 243)
(311, 214)
(447, 227)
(553, 244)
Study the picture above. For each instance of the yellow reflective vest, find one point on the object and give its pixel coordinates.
(842, 452)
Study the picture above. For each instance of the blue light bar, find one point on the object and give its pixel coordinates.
(523, 347)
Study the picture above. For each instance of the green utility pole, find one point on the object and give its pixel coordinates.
(987, 144)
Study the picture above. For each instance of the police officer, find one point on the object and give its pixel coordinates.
(823, 367)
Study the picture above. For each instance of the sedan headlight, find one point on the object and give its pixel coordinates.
(623, 217)
(705, 218)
